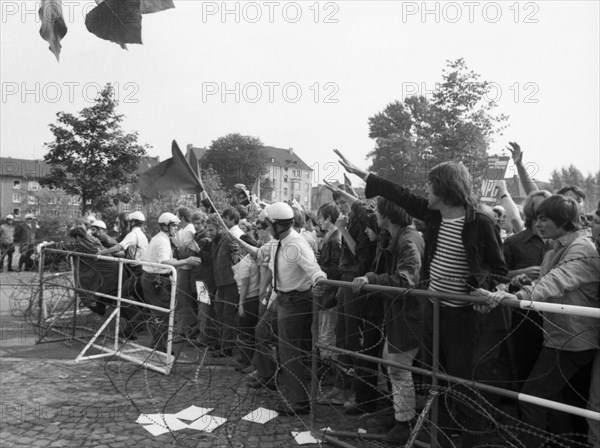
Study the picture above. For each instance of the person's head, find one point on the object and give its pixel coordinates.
(372, 235)
(557, 216)
(340, 203)
(389, 214)
(77, 232)
(212, 226)
(281, 217)
(198, 219)
(89, 220)
(263, 230)
(499, 215)
(136, 219)
(231, 217)
(328, 214)
(184, 214)
(29, 218)
(242, 211)
(449, 184)
(573, 191)
(299, 219)
(168, 223)
(98, 228)
(595, 225)
(531, 204)
(9, 219)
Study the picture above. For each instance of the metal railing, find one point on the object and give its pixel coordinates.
(434, 373)
(127, 350)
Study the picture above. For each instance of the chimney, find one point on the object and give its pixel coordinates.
(189, 146)
(291, 150)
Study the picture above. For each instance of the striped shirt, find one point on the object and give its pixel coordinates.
(449, 269)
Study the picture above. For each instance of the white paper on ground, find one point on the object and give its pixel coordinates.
(260, 415)
(305, 437)
(207, 423)
(156, 430)
(192, 413)
(168, 421)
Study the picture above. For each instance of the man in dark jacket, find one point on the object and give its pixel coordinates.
(462, 253)
(224, 253)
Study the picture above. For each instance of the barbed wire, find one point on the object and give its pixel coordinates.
(59, 297)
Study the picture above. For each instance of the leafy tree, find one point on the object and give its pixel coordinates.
(91, 156)
(236, 159)
(572, 176)
(266, 189)
(413, 135)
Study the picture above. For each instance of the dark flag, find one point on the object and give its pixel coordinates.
(53, 27)
(173, 175)
(118, 21)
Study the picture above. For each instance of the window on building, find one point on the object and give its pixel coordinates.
(37, 212)
(52, 200)
(125, 207)
(138, 207)
(17, 184)
(33, 186)
(285, 191)
(16, 212)
(53, 212)
(16, 198)
(298, 197)
(30, 200)
(306, 188)
(73, 213)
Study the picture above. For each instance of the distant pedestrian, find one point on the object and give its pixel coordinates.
(7, 242)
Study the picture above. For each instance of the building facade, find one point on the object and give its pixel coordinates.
(21, 193)
(290, 176)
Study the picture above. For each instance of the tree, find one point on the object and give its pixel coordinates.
(572, 176)
(456, 124)
(91, 156)
(236, 159)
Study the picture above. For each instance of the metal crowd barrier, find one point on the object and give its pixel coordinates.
(129, 350)
(432, 405)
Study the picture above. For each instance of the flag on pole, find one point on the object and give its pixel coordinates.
(53, 27)
(170, 176)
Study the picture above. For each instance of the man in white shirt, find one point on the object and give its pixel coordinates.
(156, 281)
(295, 272)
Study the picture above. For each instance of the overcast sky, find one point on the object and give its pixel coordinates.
(308, 75)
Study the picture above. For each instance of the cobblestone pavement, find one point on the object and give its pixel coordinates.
(48, 400)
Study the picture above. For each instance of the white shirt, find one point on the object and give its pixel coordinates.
(297, 268)
(247, 268)
(184, 235)
(138, 240)
(159, 250)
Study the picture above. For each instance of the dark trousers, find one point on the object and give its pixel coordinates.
(247, 327)
(294, 319)
(186, 309)
(225, 311)
(526, 339)
(458, 338)
(550, 376)
(365, 383)
(265, 353)
(7, 249)
(157, 291)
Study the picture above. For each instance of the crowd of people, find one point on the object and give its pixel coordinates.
(247, 281)
(21, 237)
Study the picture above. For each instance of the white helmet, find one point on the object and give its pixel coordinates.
(28, 216)
(10, 217)
(138, 216)
(168, 218)
(99, 224)
(280, 211)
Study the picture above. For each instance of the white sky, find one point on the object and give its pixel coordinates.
(545, 65)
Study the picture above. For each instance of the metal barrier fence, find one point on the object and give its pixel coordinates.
(432, 404)
(129, 350)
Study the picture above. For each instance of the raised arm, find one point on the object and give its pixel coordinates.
(517, 155)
